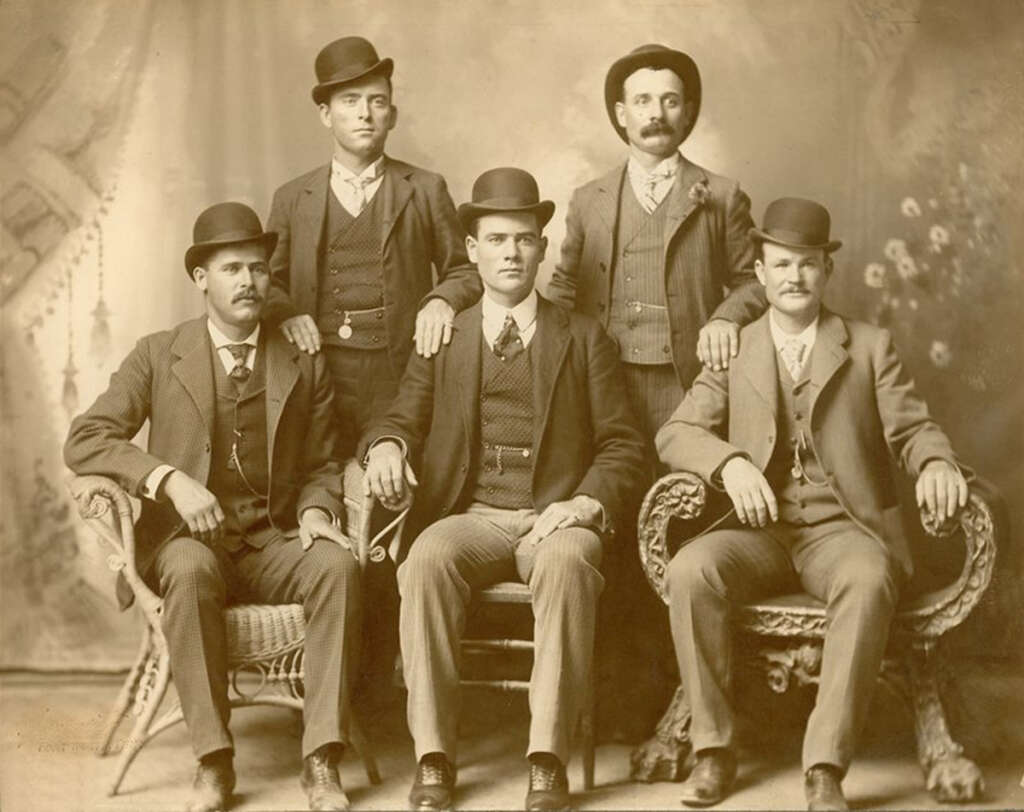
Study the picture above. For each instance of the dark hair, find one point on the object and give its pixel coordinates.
(651, 64)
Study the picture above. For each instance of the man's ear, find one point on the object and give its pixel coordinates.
(759, 270)
(543, 248)
(392, 117)
(199, 277)
(829, 265)
(620, 114)
(471, 248)
(325, 114)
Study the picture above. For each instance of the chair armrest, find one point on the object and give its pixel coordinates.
(359, 513)
(679, 495)
(106, 508)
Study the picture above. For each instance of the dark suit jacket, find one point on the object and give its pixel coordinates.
(864, 411)
(707, 250)
(586, 438)
(419, 228)
(168, 380)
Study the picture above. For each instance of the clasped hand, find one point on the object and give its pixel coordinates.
(389, 477)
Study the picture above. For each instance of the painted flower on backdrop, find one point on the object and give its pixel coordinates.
(907, 267)
(940, 354)
(700, 192)
(939, 237)
(910, 208)
(895, 248)
(874, 275)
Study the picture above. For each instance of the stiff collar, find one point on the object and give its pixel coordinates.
(368, 175)
(663, 171)
(525, 314)
(220, 340)
(807, 336)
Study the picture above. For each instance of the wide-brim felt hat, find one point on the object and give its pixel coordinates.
(226, 224)
(346, 60)
(505, 189)
(653, 56)
(796, 223)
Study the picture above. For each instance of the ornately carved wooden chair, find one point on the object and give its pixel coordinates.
(264, 641)
(782, 637)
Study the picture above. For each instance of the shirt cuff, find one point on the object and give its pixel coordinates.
(151, 485)
(716, 475)
(327, 513)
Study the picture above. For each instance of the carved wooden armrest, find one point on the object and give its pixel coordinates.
(679, 495)
(106, 508)
(359, 513)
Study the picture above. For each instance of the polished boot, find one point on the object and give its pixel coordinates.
(823, 788)
(320, 779)
(434, 786)
(711, 779)
(213, 784)
(549, 786)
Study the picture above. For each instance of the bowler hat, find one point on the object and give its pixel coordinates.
(226, 224)
(796, 223)
(346, 60)
(505, 189)
(652, 56)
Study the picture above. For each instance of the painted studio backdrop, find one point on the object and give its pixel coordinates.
(120, 121)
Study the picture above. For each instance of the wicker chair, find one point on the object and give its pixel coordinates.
(781, 637)
(264, 641)
(512, 593)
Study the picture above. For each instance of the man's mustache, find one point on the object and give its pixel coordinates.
(247, 296)
(656, 128)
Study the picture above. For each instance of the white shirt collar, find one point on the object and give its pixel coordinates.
(221, 340)
(665, 169)
(806, 337)
(525, 314)
(371, 172)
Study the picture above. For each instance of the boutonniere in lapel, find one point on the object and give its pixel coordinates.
(700, 192)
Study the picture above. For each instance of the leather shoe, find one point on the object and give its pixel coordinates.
(320, 779)
(549, 786)
(213, 784)
(434, 785)
(823, 788)
(711, 779)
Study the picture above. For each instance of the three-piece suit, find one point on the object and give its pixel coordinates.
(267, 450)
(825, 443)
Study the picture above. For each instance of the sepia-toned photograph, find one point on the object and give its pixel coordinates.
(511, 404)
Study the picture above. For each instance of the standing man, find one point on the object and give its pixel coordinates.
(352, 270)
(240, 490)
(651, 247)
(798, 432)
(527, 457)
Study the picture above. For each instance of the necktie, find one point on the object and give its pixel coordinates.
(793, 357)
(650, 199)
(360, 184)
(509, 343)
(240, 373)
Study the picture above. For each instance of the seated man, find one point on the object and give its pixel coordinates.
(528, 455)
(241, 449)
(798, 432)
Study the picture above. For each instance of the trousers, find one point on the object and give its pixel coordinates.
(835, 562)
(460, 554)
(196, 582)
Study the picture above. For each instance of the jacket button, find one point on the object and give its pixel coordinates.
(376, 339)
(380, 314)
(462, 467)
(603, 268)
(666, 349)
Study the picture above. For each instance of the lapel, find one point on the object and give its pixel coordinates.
(829, 352)
(194, 369)
(756, 362)
(309, 224)
(678, 204)
(464, 353)
(282, 375)
(397, 191)
(547, 351)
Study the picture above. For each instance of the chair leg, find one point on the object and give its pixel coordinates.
(362, 746)
(949, 775)
(153, 685)
(661, 757)
(126, 694)
(587, 736)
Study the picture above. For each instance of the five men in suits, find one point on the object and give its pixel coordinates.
(240, 489)
(527, 455)
(798, 432)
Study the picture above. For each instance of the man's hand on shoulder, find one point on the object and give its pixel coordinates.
(316, 524)
(196, 505)
(302, 331)
(750, 492)
(388, 474)
(433, 326)
(941, 489)
(717, 342)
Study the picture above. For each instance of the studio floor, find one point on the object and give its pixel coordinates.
(50, 724)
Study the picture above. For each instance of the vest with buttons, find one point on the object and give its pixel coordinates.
(351, 274)
(241, 417)
(638, 275)
(504, 476)
(809, 499)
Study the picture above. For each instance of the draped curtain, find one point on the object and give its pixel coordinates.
(120, 121)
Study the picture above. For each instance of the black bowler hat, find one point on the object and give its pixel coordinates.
(346, 60)
(226, 224)
(796, 223)
(505, 189)
(652, 56)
